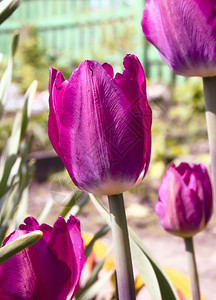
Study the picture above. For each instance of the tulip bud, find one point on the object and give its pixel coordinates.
(184, 203)
(100, 126)
(49, 269)
(183, 31)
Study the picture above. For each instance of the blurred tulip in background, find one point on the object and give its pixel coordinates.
(184, 32)
(184, 203)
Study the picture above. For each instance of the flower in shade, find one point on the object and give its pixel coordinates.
(100, 125)
(184, 203)
(184, 32)
(49, 269)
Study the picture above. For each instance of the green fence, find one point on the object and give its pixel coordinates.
(74, 30)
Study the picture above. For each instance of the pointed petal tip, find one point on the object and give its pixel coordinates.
(109, 69)
(30, 223)
(73, 220)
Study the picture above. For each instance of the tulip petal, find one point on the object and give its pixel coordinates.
(133, 84)
(74, 230)
(57, 86)
(109, 69)
(204, 191)
(73, 251)
(184, 32)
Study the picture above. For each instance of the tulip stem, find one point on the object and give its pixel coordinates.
(124, 270)
(209, 85)
(194, 279)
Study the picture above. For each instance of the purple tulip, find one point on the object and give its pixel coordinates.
(50, 269)
(184, 32)
(184, 203)
(100, 125)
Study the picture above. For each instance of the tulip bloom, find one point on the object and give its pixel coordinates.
(100, 125)
(184, 203)
(49, 269)
(184, 32)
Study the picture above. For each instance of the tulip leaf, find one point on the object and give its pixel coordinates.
(26, 111)
(9, 206)
(21, 210)
(19, 244)
(8, 159)
(98, 235)
(4, 85)
(90, 293)
(4, 198)
(73, 200)
(3, 230)
(7, 7)
(155, 278)
(19, 125)
(101, 209)
(75, 210)
(146, 271)
(94, 274)
(6, 78)
(44, 213)
(15, 42)
(166, 288)
(12, 144)
(5, 172)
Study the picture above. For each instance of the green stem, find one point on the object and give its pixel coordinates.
(194, 279)
(124, 270)
(209, 85)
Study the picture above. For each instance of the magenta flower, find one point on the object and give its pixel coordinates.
(100, 126)
(184, 32)
(184, 203)
(50, 269)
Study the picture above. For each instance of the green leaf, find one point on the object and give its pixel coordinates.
(26, 112)
(9, 206)
(19, 244)
(6, 78)
(7, 7)
(4, 85)
(22, 208)
(95, 288)
(75, 210)
(4, 199)
(97, 236)
(18, 129)
(3, 230)
(156, 280)
(73, 200)
(101, 209)
(5, 171)
(166, 288)
(13, 142)
(15, 42)
(146, 271)
(94, 274)
(44, 213)
(26, 149)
